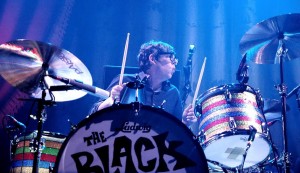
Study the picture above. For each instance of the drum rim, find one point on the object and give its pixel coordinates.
(120, 107)
(217, 89)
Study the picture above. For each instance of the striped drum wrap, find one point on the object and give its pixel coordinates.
(217, 111)
(23, 156)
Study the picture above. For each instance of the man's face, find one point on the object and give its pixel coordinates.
(165, 66)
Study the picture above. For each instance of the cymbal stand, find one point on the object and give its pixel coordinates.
(37, 144)
(281, 52)
(41, 117)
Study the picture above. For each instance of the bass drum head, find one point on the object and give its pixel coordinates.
(228, 150)
(115, 139)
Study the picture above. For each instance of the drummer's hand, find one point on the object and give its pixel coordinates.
(188, 116)
(114, 96)
(116, 92)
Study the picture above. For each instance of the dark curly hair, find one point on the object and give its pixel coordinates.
(152, 47)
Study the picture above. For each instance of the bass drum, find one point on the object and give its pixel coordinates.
(230, 116)
(23, 154)
(121, 139)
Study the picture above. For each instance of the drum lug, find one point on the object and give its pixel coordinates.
(201, 137)
(232, 124)
(228, 95)
(264, 128)
(33, 145)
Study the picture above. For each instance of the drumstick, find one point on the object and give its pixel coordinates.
(124, 60)
(199, 82)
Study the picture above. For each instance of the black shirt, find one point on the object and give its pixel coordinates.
(168, 97)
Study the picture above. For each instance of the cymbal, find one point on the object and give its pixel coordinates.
(25, 64)
(263, 40)
(272, 109)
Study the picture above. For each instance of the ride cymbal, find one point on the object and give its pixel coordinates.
(263, 40)
(26, 64)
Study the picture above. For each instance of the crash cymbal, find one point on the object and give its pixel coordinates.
(272, 109)
(25, 64)
(263, 40)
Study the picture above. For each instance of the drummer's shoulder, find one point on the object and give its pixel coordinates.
(167, 85)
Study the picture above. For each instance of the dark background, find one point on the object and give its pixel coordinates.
(95, 32)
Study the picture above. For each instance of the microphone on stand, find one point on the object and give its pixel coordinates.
(249, 143)
(78, 84)
(187, 72)
(16, 124)
(251, 136)
(242, 73)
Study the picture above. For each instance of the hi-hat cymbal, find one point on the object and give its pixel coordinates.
(263, 40)
(25, 64)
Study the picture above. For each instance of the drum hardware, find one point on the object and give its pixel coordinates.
(242, 75)
(29, 65)
(201, 137)
(249, 142)
(187, 69)
(77, 84)
(232, 124)
(72, 126)
(137, 85)
(274, 41)
(228, 95)
(225, 126)
(33, 143)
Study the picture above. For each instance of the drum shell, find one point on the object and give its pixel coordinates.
(23, 154)
(218, 112)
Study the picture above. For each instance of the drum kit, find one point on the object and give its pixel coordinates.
(233, 118)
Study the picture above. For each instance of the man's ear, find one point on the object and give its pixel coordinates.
(152, 59)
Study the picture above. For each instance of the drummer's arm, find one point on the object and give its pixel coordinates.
(113, 97)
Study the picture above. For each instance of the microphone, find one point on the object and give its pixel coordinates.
(251, 135)
(241, 74)
(91, 89)
(191, 50)
(17, 124)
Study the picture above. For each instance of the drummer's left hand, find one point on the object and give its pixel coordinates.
(188, 116)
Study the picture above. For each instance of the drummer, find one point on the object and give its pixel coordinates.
(157, 63)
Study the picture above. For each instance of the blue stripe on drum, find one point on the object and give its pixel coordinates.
(29, 163)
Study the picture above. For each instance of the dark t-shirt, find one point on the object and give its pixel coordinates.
(168, 97)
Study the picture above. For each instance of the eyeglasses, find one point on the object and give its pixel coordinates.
(171, 55)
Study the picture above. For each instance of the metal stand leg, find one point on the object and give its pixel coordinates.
(282, 90)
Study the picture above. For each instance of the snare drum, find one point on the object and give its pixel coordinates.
(229, 114)
(23, 154)
(117, 139)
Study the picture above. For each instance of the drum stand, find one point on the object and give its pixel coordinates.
(136, 85)
(281, 52)
(41, 117)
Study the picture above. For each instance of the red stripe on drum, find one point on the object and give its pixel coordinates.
(30, 156)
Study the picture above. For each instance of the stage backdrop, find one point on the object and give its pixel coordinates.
(95, 32)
